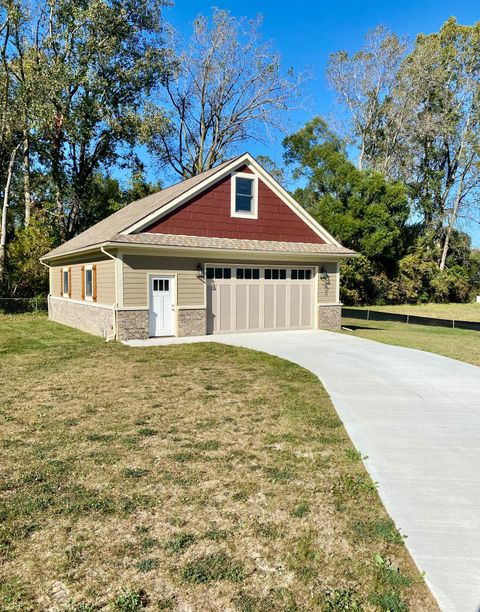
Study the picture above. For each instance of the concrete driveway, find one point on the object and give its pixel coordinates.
(417, 418)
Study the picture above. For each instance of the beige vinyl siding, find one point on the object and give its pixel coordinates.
(327, 294)
(190, 289)
(55, 282)
(105, 281)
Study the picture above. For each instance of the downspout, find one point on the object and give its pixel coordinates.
(115, 306)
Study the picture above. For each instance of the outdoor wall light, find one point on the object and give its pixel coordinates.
(200, 271)
(325, 277)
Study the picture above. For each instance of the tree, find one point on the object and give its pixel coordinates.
(225, 87)
(439, 86)
(83, 71)
(360, 208)
(363, 83)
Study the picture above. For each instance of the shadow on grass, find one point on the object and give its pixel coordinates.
(357, 327)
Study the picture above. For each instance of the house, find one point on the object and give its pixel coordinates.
(228, 250)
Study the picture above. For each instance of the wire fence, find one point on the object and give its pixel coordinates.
(377, 315)
(12, 305)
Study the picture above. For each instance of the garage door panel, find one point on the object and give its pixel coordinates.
(281, 306)
(295, 296)
(241, 307)
(306, 308)
(225, 307)
(269, 307)
(254, 307)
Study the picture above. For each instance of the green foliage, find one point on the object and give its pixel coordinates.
(366, 212)
(341, 600)
(213, 567)
(26, 275)
(130, 601)
(361, 209)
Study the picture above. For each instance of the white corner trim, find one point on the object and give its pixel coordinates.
(233, 195)
(337, 288)
(216, 176)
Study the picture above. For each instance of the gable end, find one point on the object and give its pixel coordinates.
(210, 214)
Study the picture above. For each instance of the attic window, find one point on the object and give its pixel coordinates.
(244, 200)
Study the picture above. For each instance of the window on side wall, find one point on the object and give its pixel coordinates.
(244, 195)
(88, 283)
(66, 282)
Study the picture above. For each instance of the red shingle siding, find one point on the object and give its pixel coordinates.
(208, 214)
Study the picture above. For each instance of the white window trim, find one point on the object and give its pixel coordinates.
(63, 282)
(233, 192)
(88, 298)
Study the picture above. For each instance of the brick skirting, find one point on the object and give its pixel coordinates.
(329, 316)
(91, 318)
(192, 322)
(132, 325)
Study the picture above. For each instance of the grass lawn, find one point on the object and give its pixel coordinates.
(195, 477)
(460, 312)
(455, 343)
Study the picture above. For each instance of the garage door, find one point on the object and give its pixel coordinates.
(254, 298)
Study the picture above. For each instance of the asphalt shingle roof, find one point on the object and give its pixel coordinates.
(236, 244)
(110, 229)
(125, 217)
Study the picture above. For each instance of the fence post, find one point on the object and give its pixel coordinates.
(368, 314)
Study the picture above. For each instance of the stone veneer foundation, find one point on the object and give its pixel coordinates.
(132, 325)
(92, 318)
(191, 322)
(330, 316)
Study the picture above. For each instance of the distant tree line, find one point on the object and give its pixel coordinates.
(89, 88)
(412, 114)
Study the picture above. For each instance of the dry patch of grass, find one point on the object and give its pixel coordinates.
(182, 478)
(458, 344)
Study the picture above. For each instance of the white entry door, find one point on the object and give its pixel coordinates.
(161, 306)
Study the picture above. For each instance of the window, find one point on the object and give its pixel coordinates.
(275, 274)
(219, 273)
(66, 282)
(161, 284)
(88, 283)
(301, 274)
(248, 273)
(244, 195)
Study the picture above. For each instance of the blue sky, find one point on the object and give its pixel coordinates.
(306, 32)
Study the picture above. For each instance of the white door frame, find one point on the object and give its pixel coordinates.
(168, 329)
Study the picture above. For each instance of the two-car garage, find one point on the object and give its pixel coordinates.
(253, 298)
